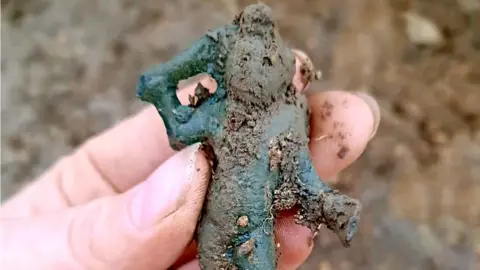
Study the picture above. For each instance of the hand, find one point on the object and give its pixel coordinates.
(126, 200)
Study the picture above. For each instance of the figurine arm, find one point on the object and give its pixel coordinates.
(185, 125)
(321, 204)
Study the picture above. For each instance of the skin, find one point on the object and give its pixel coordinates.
(248, 187)
(77, 215)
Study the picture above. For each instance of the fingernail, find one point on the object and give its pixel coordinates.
(303, 81)
(164, 191)
(301, 55)
(374, 108)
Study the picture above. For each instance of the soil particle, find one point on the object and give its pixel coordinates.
(343, 152)
(327, 105)
(434, 132)
(285, 197)
(275, 155)
(324, 266)
(247, 247)
(343, 135)
(306, 72)
(242, 221)
(201, 94)
(422, 31)
(326, 110)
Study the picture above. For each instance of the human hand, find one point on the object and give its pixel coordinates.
(126, 200)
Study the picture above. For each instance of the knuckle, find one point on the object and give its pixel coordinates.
(89, 246)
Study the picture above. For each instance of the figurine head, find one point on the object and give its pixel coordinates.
(263, 66)
(256, 19)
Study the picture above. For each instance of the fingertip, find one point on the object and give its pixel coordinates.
(374, 108)
(342, 124)
(304, 70)
(295, 241)
(202, 166)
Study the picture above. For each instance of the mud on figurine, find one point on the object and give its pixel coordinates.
(256, 125)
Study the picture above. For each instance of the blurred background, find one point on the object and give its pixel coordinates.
(69, 69)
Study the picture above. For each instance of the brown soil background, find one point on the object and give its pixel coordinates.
(69, 69)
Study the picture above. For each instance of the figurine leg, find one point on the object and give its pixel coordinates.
(301, 186)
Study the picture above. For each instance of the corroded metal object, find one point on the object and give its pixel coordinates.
(256, 125)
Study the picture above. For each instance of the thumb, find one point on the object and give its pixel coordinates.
(147, 227)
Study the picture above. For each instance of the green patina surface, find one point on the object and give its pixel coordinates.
(158, 86)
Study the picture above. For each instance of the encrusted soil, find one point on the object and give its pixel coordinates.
(236, 225)
(262, 164)
(69, 70)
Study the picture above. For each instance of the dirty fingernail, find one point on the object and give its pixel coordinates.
(300, 54)
(375, 109)
(305, 66)
(163, 192)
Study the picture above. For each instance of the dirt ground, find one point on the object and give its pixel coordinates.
(69, 69)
